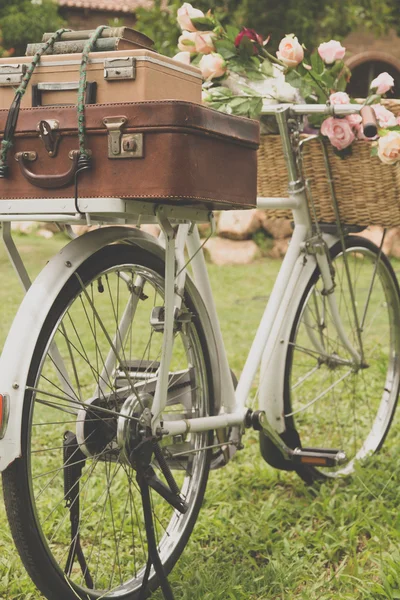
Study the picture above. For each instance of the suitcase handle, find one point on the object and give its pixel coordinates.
(50, 182)
(38, 88)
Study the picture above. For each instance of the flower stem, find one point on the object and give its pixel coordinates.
(272, 58)
(323, 90)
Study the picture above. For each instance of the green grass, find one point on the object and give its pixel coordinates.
(262, 534)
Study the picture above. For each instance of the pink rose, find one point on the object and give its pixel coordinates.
(183, 57)
(339, 98)
(187, 41)
(290, 51)
(382, 83)
(212, 66)
(185, 15)
(384, 116)
(389, 148)
(338, 131)
(354, 120)
(331, 51)
(204, 42)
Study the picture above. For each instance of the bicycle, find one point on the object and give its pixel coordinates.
(108, 428)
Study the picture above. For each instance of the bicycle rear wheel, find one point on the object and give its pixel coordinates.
(328, 401)
(73, 492)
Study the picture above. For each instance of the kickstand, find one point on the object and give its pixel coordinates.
(154, 558)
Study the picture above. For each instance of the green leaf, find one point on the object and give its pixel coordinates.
(238, 101)
(301, 69)
(225, 48)
(203, 23)
(242, 109)
(254, 75)
(341, 84)
(374, 150)
(250, 92)
(197, 58)
(255, 108)
(317, 63)
(336, 68)
(373, 99)
(232, 32)
(267, 68)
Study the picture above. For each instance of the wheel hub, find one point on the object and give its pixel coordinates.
(131, 422)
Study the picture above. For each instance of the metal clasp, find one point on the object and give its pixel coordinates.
(49, 136)
(120, 68)
(12, 74)
(122, 145)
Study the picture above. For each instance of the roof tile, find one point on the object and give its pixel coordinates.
(107, 5)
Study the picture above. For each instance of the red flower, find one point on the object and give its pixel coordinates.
(252, 35)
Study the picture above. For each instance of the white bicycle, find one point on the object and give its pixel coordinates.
(116, 397)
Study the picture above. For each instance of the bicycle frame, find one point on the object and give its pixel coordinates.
(270, 344)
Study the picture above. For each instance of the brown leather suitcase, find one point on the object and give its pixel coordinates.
(120, 76)
(172, 151)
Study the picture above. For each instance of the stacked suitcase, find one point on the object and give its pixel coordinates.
(146, 131)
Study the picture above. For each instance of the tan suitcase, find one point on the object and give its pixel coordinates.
(163, 151)
(119, 76)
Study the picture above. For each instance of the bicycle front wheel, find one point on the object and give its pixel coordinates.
(331, 402)
(72, 499)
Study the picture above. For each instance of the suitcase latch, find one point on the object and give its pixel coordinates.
(122, 145)
(49, 136)
(12, 74)
(120, 68)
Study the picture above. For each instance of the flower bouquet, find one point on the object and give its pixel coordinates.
(238, 71)
(241, 75)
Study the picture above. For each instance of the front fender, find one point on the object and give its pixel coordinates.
(17, 353)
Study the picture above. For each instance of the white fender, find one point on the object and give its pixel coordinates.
(17, 353)
(272, 373)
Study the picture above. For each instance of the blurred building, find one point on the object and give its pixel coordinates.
(367, 56)
(88, 14)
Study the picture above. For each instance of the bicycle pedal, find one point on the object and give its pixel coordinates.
(322, 457)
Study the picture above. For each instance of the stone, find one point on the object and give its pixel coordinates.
(53, 227)
(222, 251)
(152, 229)
(279, 228)
(24, 227)
(81, 229)
(391, 245)
(238, 224)
(204, 229)
(279, 248)
(45, 233)
(392, 241)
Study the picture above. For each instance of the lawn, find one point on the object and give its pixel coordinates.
(262, 534)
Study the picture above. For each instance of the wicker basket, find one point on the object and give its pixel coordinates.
(368, 191)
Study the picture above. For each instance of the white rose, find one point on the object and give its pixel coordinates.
(185, 15)
(187, 42)
(183, 57)
(389, 148)
(212, 66)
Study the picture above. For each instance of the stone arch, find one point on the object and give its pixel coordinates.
(367, 65)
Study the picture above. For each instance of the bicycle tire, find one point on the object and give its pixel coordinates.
(327, 403)
(40, 525)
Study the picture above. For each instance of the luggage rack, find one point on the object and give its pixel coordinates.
(99, 210)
